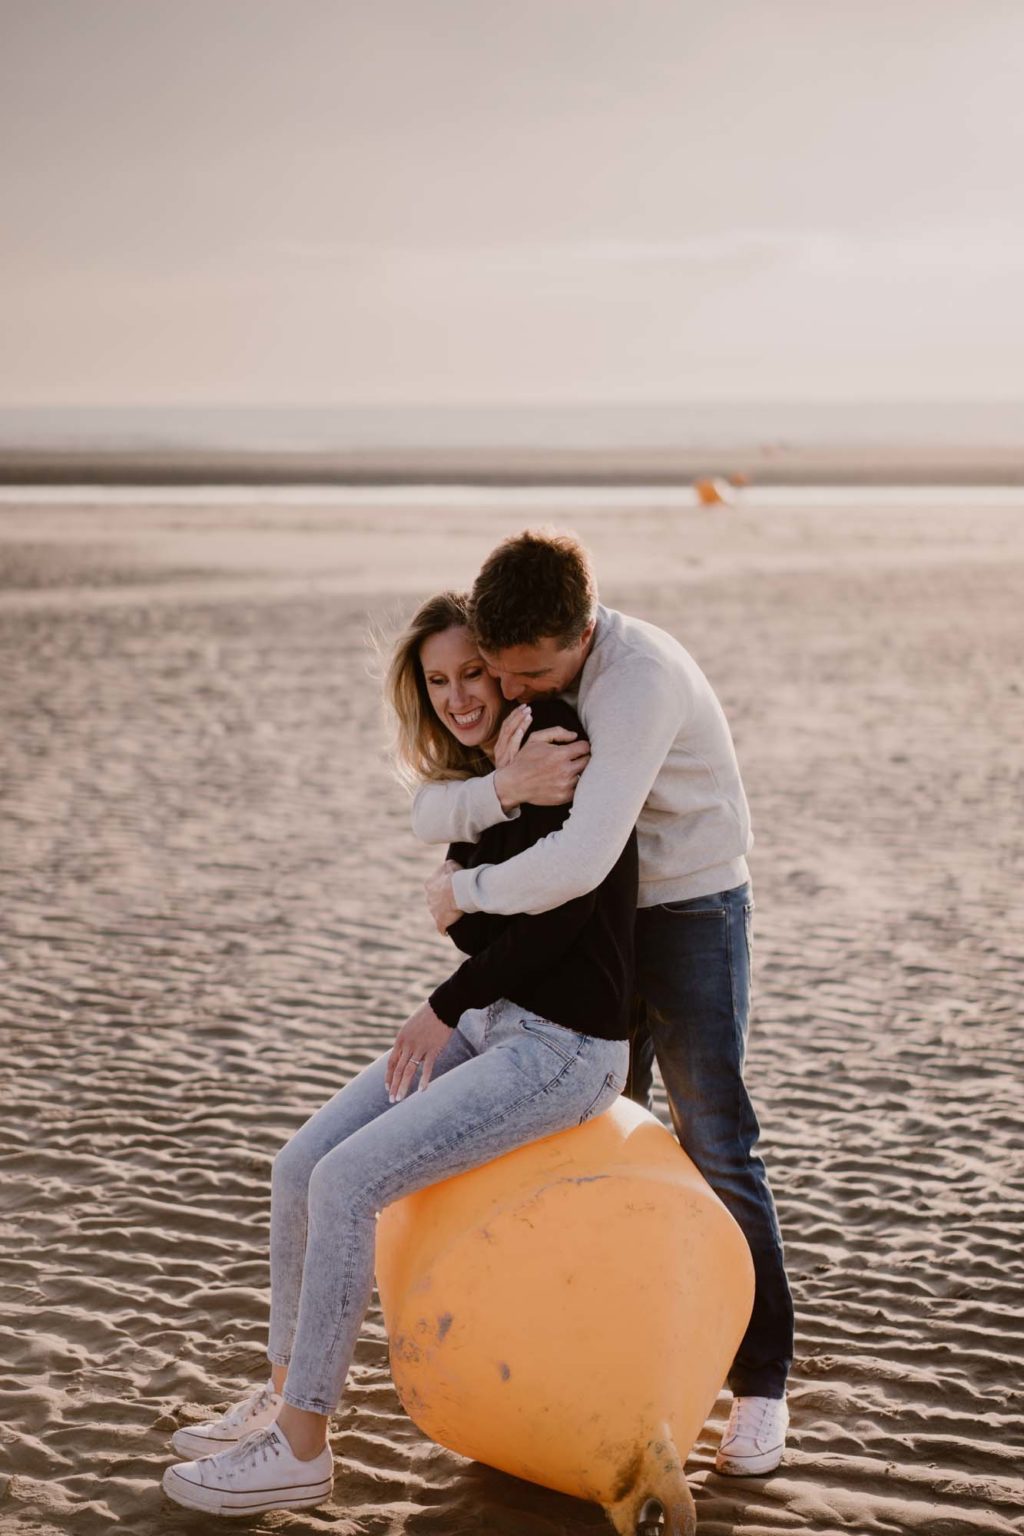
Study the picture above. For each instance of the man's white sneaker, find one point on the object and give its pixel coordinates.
(260, 1473)
(258, 1410)
(754, 1438)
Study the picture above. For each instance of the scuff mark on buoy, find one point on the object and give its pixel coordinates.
(405, 1349)
(504, 1370)
(444, 1322)
(628, 1477)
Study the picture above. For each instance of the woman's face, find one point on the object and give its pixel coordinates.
(466, 698)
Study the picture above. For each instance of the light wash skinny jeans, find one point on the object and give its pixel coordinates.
(504, 1078)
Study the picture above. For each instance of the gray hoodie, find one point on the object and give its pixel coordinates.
(662, 759)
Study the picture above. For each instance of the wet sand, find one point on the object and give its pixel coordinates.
(197, 949)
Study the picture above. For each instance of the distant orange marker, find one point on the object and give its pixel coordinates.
(713, 493)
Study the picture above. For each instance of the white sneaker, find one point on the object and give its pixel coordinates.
(258, 1410)
(754, 1438)
(260, 1473)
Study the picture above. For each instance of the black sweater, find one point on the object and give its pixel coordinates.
(573, 964)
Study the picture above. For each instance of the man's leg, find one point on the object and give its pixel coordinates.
(693, 963)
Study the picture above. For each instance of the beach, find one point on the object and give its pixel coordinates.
(198, 948)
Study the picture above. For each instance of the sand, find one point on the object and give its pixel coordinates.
(197, 950)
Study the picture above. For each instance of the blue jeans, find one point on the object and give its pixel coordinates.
(504, 1078)
(693, 981)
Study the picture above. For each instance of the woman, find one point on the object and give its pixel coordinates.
(525, 1038)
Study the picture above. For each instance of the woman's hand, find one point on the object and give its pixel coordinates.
(420, 1041)
(441, 897)
(544, 771)
(510, 737)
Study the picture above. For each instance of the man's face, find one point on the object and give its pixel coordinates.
(528, 672)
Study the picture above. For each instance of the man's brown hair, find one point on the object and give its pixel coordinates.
(534, 585)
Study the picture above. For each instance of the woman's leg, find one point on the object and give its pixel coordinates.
(352, 1107)
(532, 1079)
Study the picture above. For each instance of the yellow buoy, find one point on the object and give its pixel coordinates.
(568, 1312)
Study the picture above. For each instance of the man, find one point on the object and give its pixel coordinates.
(661, 757)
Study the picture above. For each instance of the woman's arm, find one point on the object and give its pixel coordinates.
(459, 810)
(475, 930)
(503, 951)
(509, 950)
(527, 947)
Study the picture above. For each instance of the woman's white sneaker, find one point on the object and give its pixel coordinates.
(260, 1473)
(754, 1438)
(256, 1411)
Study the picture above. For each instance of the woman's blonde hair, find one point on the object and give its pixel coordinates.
(422, 748)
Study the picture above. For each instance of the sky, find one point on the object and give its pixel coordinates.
(287, 202)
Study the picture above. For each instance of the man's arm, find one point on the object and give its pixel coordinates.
(634, 714)
(457, 811)
(543, 772)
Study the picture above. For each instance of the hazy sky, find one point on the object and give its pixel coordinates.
(288, 201)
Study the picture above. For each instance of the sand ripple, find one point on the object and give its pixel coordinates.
(211, 919)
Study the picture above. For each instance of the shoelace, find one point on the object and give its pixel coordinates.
(243, 1456)
(247, 1410)
(750, 1417)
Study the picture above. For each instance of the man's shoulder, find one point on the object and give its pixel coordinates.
(624, 643)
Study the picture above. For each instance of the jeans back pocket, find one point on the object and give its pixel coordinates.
(564, 1042)
(609, 1091)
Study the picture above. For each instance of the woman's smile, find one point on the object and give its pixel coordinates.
(464, 696)
(466, 720)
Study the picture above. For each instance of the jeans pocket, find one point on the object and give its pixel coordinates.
(606, 1096)
(564, 1042)
(689, 909)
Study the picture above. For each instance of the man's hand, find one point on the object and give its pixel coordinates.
(544, 770)
(420, 1041)
(441, 897)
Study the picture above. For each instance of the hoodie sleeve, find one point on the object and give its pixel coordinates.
(457, 811)
(634, 714)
